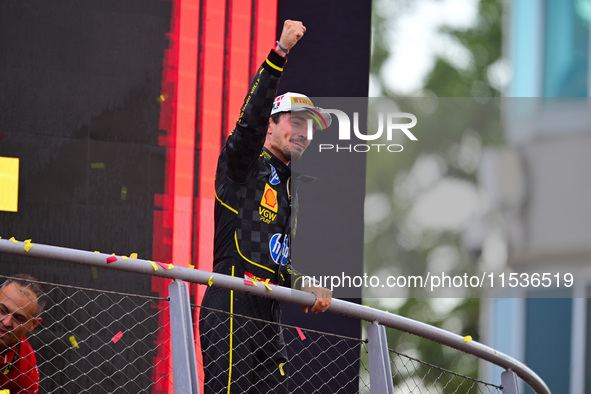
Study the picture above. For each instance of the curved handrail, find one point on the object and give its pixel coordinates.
(279, 293)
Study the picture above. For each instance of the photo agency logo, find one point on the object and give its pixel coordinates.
(390, 127)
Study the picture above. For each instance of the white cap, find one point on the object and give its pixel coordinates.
(298, 102)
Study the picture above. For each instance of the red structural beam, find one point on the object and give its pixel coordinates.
(214, 48)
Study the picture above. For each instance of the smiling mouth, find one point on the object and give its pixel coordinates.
(298, 143)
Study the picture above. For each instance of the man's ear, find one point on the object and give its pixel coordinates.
(270, 127)
(35, 322)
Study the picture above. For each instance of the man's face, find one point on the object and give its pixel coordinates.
(18, 310)
(287, 139)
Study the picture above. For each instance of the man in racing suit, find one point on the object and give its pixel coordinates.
(253, 211)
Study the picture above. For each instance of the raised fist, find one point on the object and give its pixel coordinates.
(292, 32)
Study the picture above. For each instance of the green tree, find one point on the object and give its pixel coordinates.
(449, 144)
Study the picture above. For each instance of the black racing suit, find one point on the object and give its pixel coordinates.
(252, 236)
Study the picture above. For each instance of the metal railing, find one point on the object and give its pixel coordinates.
(382, 368)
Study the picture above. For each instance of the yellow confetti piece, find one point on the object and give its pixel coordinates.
(124, 193)
(74, 342)
(28, 247)
(162, 98)
(5, 391)
(170, 266)
(133, 256)
(210, 281)
(96, 166)
(266, 283)
(13, 240)
(96, 251)
(154, 265)
(28, 241)
(281, 369)
(94, 272)
(467, 338)
(191, 266)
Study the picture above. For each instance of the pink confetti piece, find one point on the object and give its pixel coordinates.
(163, 265)
(111, 259)
(301, 334)
(117, 337)
(249, 282)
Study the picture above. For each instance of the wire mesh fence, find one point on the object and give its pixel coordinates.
(266, 355)
(414, 376)
(327, 359)
(95, 341)
(411, 375)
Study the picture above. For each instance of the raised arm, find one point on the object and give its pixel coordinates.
(246, 141)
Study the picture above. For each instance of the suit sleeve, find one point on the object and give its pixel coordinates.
(244, 145)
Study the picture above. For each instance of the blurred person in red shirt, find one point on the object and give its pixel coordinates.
(21, 301)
